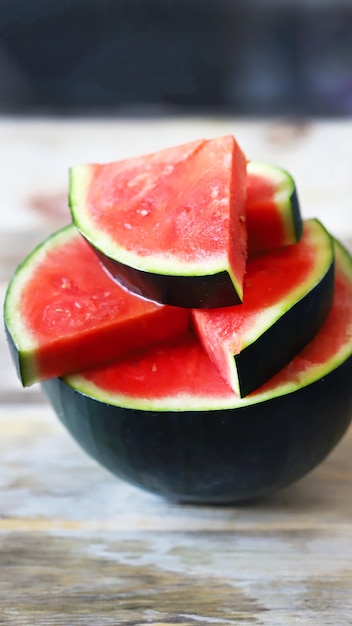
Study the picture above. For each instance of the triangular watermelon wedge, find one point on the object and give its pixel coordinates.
(170, 225)
(287, 296)
(64, 314)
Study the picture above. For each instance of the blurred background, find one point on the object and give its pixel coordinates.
(244, 57)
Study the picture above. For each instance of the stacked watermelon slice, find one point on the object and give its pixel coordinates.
(187, 284)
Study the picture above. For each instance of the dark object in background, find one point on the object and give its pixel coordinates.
(244, 56)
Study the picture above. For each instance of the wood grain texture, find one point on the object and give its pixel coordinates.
(79, 547)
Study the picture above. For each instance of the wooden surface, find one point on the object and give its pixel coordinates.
(79, 547)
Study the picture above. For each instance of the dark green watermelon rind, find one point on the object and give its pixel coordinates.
(20, 341)
(285, 198)
(290, 206)
(26, 375)
(199, 403)
(196, 292)
(190, 456)
(296, 214)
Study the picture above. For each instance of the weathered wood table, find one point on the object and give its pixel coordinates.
(77, 546)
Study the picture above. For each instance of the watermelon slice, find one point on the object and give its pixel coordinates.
(165, 420)
(64, 314)
(170, 225)
(287, 296)
(273, 213)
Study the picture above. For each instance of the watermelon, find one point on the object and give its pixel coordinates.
(166, 421)
(64, 314)
(171, 225)
(175, 407)
(273, 215)
(287, 296)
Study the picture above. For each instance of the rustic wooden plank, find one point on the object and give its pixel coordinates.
(168, 578)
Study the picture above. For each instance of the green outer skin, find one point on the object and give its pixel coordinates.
(222, 456)
(296, 212)
(19, 359)
(208, 291)
(290, 210)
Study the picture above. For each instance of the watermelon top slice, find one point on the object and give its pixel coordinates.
(63, 313)
(179, 375)
(178, 212)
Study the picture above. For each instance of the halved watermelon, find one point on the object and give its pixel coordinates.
(63, 313)
(273, 213)
(170, 225)
(287, 296)
(165, 420)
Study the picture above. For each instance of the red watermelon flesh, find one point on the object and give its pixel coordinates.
(260, 212)
(64, 313)
(177, 212)
(179, 374)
